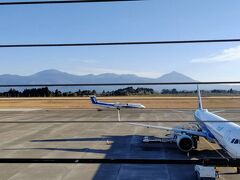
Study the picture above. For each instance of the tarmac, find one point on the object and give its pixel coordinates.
(89, 139)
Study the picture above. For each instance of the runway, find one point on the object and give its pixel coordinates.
(96, 140)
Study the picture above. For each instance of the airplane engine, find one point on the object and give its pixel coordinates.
(185, 143)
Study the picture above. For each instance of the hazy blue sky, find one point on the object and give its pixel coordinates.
(127, 21)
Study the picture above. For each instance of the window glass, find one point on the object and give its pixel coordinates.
(232, 140)
(236, 141)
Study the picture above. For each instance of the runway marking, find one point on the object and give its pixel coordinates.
(214, 148)
(218, 111)
(178, 111)
(20, 110)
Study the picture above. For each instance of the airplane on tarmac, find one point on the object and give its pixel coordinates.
(114, 105)
(212, 127)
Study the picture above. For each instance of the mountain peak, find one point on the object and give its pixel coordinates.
(174, 72)
(175, 76)
(48, 71)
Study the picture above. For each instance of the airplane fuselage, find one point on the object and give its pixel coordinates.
(114, 105)
(224, 132)
(118, 105)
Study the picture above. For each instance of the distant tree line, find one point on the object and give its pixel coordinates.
(129, 91)
(214, 91)
(45, 92)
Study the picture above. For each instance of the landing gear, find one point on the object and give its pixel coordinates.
(238, 170)
(195, 141)
(195, 144)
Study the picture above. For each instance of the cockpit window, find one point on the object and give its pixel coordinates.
(236, 141)
(232, 140)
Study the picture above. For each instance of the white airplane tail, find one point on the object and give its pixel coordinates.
(199, 99)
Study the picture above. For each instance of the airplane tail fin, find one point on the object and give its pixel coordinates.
(93, 99)
(199, 99)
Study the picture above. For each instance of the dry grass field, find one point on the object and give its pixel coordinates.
(149, 102)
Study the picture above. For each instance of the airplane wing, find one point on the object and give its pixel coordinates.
(178, 130)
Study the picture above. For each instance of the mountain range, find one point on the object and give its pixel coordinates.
(53, 76)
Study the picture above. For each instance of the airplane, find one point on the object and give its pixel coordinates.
(212, 127)
(114, 105)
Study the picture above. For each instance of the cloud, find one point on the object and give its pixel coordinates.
(230, 54)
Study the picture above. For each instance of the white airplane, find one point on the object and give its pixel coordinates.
(212, 127)
(114, 105)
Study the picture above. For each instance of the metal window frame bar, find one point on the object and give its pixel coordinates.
(10, 3)
(206, 161)
(121, 43)
(120, 84)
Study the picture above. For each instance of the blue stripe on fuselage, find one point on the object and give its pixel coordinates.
(105, 104)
